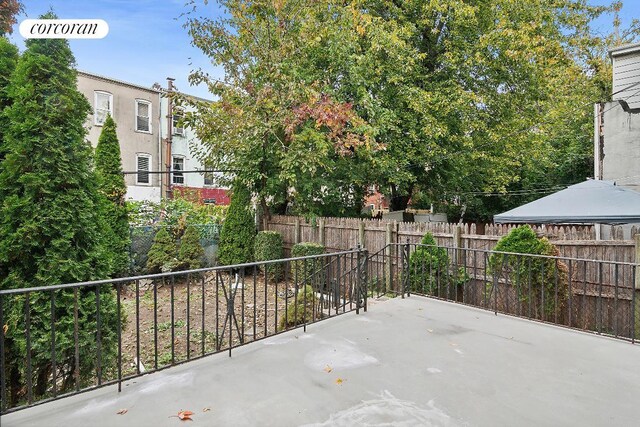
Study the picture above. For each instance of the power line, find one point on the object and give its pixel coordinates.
(179, 171)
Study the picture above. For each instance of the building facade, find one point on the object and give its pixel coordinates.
(136, 112)
(617, 123)
(157, 152)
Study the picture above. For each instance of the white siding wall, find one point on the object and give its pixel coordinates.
(626, 72)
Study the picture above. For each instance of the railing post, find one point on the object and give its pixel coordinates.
(406, 268)
(388, 266)
(362, 278)
(636, 305)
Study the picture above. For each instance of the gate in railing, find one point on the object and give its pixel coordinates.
(60, 340)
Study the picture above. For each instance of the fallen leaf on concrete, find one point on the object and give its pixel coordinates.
(327, 369)
(339, 381)
(122, 411)
(453, 344)
(206, 409)
(429, 330)
(185, 415)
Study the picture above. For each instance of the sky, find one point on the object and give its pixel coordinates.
(147, 43)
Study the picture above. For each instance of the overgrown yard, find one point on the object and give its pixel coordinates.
(260, 308)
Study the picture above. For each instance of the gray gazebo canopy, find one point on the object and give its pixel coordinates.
(588, 202)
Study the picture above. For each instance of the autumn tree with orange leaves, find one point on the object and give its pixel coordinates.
(8, 11)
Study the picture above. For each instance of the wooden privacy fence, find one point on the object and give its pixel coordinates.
(338, 234)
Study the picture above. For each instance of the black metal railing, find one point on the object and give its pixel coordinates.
(590, 295)
(64, 339)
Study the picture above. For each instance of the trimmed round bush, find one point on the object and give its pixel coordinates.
(304, 268)
(300, 309)
(268, 245)
(534, 278)
(428, 267)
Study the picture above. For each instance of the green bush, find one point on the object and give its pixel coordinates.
(162, 255)
(428, 267)
(302, 269)
(238, 231)
(268, 246)
(191, 252)
(300, 309)
(534, 278)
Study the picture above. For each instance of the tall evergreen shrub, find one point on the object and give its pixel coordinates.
(238, 231)
(113, 189)
(269, 246)
(51, 231)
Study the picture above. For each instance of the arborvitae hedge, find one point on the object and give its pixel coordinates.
(302, 270)
(113, 189)
(268, 246)
(51, 231)
(191, 252)
(238, 231)
(162, 255)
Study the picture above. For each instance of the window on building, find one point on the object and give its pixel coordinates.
(143, 166)
(208, 176)
(143, 116)
(178, 165)
(102, 105)
(176, 125)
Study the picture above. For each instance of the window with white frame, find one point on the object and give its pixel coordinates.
(143, 166)
(178, 165)
(176, 124)
(143, 116)
(102, 105)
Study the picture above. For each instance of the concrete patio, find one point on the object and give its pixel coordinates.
(406, 362)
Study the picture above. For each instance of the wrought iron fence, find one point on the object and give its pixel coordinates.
(63, 339)
(590, 295)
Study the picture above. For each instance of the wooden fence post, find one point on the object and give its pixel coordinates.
(457, 245)
(361, 233)
(321, 236)
(296, 232)
(388, 255)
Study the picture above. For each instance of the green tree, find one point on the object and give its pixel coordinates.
(113, 189)
(8, 61)
(452, 99)
(162, 255)
(286, 138)
(191, 251)
(50, 229)
(238, 230)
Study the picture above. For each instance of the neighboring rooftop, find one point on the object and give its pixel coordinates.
(413, 361)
